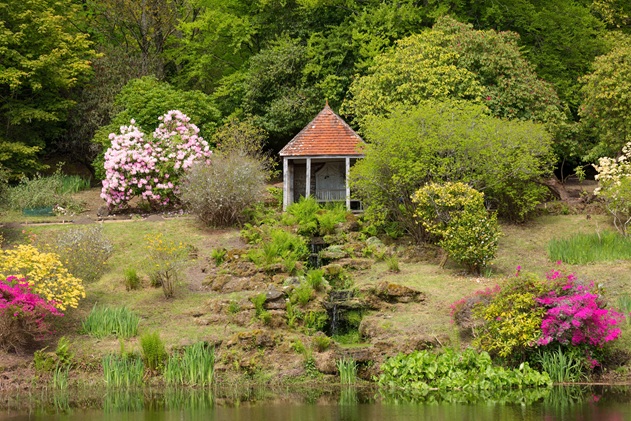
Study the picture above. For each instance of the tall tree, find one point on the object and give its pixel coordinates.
(43, 56)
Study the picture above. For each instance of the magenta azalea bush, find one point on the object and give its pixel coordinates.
(24, 316)
(151, 167)
(576, 315)
(528, 313)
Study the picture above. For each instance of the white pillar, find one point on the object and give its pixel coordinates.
(286, 190)
(308, 185)
(348, 187)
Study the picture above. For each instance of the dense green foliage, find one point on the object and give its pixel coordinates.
(455, 213)
(104, 321)
(450, 142)
(450, 370)
(455, 61)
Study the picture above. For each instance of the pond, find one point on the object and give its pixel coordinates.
(602, 403)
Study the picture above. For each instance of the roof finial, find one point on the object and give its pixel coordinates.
(327, 102)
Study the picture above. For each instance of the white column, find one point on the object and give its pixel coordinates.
(348, 187)
(286, 190)
(308, 185)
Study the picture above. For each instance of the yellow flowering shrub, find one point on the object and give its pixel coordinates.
(45, 275)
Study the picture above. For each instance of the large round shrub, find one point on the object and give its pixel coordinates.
(151, 168)
(219, 192)
(455, 214)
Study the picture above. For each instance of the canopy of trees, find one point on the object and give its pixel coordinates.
(67, 68)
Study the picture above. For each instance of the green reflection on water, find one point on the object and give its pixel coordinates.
(342, 403)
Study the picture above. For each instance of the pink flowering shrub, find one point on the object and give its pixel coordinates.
(576, 315)
(151, 167)
(24, 316)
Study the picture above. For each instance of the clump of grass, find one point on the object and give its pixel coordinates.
(348, 338)
(348, 370)
(587, 248)
(393, 263)
(131, 279)
(563, 366)
(153, 351)
(71, 184)
(125, 370)
(624, 305)
(195, 366)
(105, 321)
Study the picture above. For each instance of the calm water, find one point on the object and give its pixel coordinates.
(586, 403)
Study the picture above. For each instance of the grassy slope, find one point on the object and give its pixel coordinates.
(523, 245)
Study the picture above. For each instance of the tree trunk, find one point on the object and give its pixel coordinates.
(556, 188)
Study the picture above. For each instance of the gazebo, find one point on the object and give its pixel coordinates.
(316, 162)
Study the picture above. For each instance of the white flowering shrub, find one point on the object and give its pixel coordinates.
(151, 167)
(614, 187)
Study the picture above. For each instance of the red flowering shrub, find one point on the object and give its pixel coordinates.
(24, 316)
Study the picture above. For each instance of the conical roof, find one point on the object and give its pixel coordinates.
(326, 134)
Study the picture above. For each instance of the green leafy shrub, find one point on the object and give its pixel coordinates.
(131, 279)
(315, 278)
(580, 249)
(83, 251)
(219, 255)
(278, 245)
(153, 350)
(451, 370)
(312, 218)
(219, 193)
(512, 318)
(446, 141)
(166, 260)
(321, 342)
(455, 213)
(315, 321)
(105, 321)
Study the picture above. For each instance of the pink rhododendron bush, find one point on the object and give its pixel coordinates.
(527, 315)
(150, 167)
(24, 316)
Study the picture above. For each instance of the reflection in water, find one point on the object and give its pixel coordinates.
(342, 404)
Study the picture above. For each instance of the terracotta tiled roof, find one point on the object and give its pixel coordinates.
(327, 134)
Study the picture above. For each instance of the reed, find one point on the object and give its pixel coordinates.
(562, 366)
(60, 377)
(586, 248)
(105, 321)
(195, 366)
(123, 370)
(348, 370)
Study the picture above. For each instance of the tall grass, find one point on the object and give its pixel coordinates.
(348, 370)
(71, 184)
(60, 377)
(123, 370)
(587, 248)
(563, 366)
(105, 321)
(624, 305)
(195, 366)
